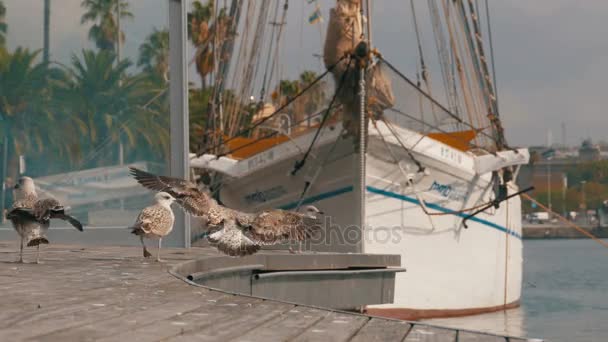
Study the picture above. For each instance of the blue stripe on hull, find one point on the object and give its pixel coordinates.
(442, 209)
(318, 197)
(338, 192)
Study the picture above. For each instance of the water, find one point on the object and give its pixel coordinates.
(565, 295)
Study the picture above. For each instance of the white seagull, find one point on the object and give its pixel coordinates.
(238, 233)
(31, 217)
(155, 222)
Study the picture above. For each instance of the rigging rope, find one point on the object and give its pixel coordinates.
(492, 56)
(300, 163)
(430, 98)
(422, 202)
(263, 90)
(290, 101)
(269, 135)
(566, 221)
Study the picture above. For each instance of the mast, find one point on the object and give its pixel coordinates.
(46, 38)
(362, 55)
(224, 60)
(493, 108)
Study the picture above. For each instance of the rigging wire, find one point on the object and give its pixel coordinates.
(276, 112)
(300, 163)
(275, 58)
(492, 56)
(454, 116)
(444, 58)
(269, 135)
(276, 15)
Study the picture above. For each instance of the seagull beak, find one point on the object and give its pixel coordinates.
(321, 212)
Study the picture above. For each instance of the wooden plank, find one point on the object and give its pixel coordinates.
(421, 333)
(207, 314)
(237, 322)
(140, 315)
(335, 326)
(86, 312)
(382, 330)
(465, 336)
(286, 326)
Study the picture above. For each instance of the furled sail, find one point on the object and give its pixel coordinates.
(344, 33)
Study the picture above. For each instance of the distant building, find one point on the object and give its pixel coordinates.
(588, 151)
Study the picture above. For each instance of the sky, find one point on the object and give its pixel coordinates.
(551, 56)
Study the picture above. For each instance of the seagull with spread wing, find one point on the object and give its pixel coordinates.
(155, 222)
(31, 216)
(237, 233)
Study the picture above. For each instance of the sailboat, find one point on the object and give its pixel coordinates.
(395, 170)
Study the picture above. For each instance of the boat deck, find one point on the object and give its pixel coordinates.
(86, 293)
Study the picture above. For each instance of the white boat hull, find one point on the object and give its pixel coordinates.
(450, 270)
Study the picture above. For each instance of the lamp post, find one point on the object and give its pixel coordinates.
(584, 200)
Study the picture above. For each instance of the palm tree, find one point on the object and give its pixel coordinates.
(206, 35)
(102, 13)
(137, 107)
(154, 53)
(3, 26)
(29, 118)
(201, 37)
(314, 98)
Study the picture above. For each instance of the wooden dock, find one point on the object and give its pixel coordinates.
(84, 293)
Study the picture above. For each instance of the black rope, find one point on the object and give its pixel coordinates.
(409, 116)
(300, 163)
(430, 98)
(495, 203)
(259, 123)
(409, 153)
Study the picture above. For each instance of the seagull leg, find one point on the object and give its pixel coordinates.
(38, 254)
(158, 254)
(21, 252)
(146, 253)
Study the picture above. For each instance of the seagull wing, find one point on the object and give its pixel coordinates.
(50, 208)
(186, 194)
(72, 220)
(276, 226)
(231, 240)
(21, 214)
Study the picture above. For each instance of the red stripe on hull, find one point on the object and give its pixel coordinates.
(416, 314)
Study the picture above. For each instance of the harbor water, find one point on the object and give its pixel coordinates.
(565, 295)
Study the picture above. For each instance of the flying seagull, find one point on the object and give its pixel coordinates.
(31, 217)
(237, 233)
(155, 222)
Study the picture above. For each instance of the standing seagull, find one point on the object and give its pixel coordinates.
(238, 233)
(155, 222)
(31, 217)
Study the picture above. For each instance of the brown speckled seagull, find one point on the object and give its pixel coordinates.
(155, 222)
(31, 217)
(237, 233)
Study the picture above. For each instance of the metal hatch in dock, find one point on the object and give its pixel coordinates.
(332, 280)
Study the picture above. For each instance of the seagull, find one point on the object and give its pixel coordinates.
(31, 217)
(243, 234)
(155, 222)
(237, 233)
